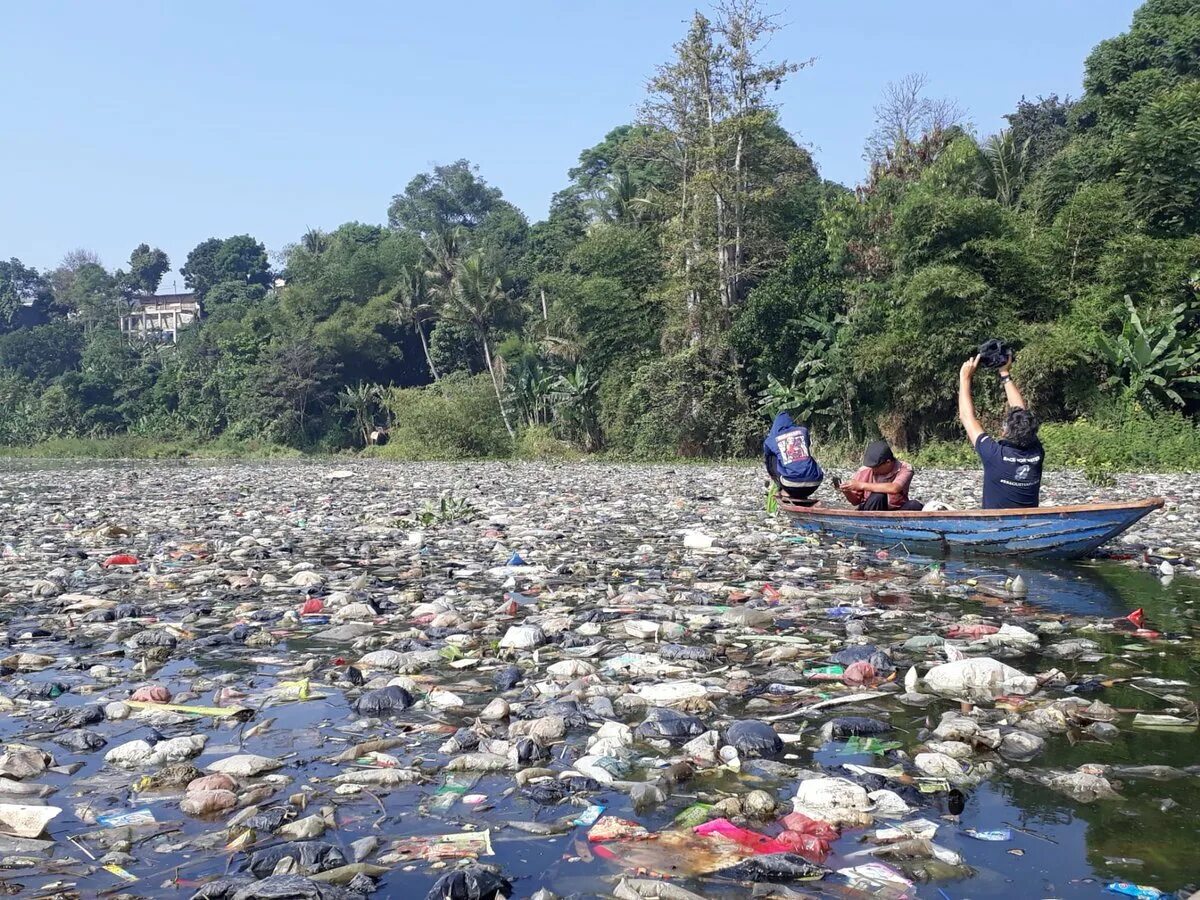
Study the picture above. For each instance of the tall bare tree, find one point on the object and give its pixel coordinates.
(710, 120)
(905, 114)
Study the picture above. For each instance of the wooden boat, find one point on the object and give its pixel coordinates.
(1050, 532)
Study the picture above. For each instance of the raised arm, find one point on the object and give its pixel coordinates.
(966, 404)
(1011, 392)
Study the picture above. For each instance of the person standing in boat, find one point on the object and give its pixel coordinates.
(1012, 466)
(881, 485)
(787, 454)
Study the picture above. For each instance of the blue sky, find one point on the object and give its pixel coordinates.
(172, 122)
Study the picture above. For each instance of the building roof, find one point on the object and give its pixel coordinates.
(164, 299)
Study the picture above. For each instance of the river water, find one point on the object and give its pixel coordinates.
(219, 549)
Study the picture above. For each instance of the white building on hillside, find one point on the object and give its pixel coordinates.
(159, 317)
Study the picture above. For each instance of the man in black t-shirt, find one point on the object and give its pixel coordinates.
(1012, 466)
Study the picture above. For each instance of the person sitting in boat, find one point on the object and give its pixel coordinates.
(1012, 466)
(787, 453)
(881, 485)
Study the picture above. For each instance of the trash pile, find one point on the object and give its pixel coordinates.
(293, 680)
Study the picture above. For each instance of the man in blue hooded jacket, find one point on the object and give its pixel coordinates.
(787, 453)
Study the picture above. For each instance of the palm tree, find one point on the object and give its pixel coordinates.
(1008, 164)
(443, 249)
(413, 302)
(315, 241)
(477, 298)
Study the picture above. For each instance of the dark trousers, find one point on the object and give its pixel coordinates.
(798, 493)
(879, 503)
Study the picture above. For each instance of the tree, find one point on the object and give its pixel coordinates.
(1041, 126)
(414, 305)
(575, 399)
(1161, 157)
(361, 401)
(904, 115)
(21, 286)
(42, 353)
(93, 296)
(1158, 363)
(200, 270)
(450, 196)
(61, 277)
(617, 181)
(239, 259)
(709, 120)
(242, 259)
(291, 384)
(1008, 166)
(478, 299)
(1124, 74)
(146, 270)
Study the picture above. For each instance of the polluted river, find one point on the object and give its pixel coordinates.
(353, 678)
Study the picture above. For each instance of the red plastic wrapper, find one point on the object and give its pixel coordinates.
(121, 559)
(804, 825)
(812, 848)
(744, 837)
(311, 607)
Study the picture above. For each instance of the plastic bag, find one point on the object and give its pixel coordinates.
(752, 738)
(470, 883)
(310, 856)
(664, 723)
(392, 698)
(980, 678)
(775, 867)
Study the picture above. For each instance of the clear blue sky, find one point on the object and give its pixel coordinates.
(170, 122)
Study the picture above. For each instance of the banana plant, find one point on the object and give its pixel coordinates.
(813, 389)
(1159, 362)
(575, 398)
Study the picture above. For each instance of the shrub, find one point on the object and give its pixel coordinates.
(690, 404)
(455, 418)
(1124, 439)
(538, 442)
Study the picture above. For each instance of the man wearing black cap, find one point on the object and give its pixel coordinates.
(882, 483)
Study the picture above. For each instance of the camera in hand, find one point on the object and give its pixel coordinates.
(993, 353)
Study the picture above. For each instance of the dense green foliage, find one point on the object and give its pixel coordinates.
(695, 275)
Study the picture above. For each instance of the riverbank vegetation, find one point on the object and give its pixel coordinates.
(694, 274)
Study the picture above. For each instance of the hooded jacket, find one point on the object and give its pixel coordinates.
(787, 453)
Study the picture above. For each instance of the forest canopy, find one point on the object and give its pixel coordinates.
(694, 275)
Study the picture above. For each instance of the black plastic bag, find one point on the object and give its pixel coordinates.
(855, 726)
(752, 738)
(507, 678)
(851, 655)
(470, 883)
(311, 856)
(775, 867)
(664, 723)
(392, 698)
(82, 716)
(267, 820)
(222, 888)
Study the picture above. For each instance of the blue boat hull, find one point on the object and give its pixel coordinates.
(1055, 532)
